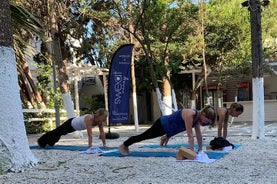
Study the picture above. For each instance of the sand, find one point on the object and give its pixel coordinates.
(255, 161)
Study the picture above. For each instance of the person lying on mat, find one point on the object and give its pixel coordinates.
(170, 125)
(222, 118)
(84, 122)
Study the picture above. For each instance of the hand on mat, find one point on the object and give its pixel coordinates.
(164, 140)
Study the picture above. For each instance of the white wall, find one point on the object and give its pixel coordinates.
(270, 87)
(270, 108)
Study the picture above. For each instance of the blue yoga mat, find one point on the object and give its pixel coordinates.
(70, 148)
(176, 146)
(211, 155)
(140, 154)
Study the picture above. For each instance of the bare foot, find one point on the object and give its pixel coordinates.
(124, 150)
(164, 140)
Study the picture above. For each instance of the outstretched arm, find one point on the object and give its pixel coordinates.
(221, 114)
(225, 127)
(198, 136)
(187, 116)
(88, 122)
(102, 134)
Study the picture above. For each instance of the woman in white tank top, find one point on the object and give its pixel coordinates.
(84, 122)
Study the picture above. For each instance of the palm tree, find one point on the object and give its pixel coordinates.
(15, 152)
(25, 25)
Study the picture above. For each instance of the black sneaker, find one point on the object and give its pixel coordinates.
(40, 144)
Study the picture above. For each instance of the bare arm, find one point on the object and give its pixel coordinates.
(221, 114)
(188, 115)
(88, 121)
(102, 133)
(198, 136)
(225, 127)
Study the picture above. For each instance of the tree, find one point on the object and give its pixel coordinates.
(227, 41)
(64, 21)
(15, 152)
(56, 16)
(258, 130)
(25, 25)
(160, 27)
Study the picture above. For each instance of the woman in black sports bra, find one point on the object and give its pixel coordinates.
(223, 114)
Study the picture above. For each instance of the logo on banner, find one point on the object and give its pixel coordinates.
(119, 87)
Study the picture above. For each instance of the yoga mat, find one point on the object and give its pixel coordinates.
(140, 154)
(211, 155)
(70, 148)
(167, 146)
(176, 146)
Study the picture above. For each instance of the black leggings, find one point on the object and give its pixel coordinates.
(54, 136)
(154, 131)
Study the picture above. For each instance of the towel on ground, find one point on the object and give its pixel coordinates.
(200, 157)
(92, 150)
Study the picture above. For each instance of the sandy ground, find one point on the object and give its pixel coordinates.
(254, 162)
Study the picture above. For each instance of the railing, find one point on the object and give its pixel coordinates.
(51, 118)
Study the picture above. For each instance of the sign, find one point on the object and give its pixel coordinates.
(119, 85)
(244, 85)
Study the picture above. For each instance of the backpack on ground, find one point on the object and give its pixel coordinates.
(220, 142)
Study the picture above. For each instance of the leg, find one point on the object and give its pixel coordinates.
(52, 137)
(124, 150)
(154, 131)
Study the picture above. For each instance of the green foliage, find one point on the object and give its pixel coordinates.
(143, 80)
(226, 29)
(90, 23)
(95, 102)
(167, 26)
(22, 19)
(36, 127)
(228, 35)
(45, 86)
(45, 81)
(227, 38)
(269, 30)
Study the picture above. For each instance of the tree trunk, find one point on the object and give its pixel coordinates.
(156, 86)
(31, 93)
(61, 63)
(15, 154)
(257, 70)
(149, 58)
(28, 75)
(25, 88)
(167, 97)
(58, 47)
(202, 32)
(133, 76)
